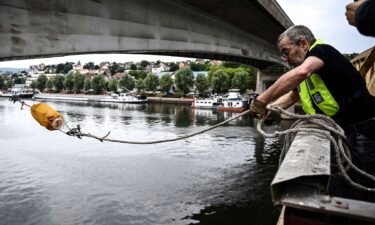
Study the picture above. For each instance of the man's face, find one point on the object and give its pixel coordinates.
(291, 52)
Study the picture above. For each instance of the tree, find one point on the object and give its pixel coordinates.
(220, 81)
(133, 67)
(166, 82)
(33, 84)
(60, 68)
(87, 84)
(201, 82)
(113, 85)
(49, 85)
(199, 66)
(79, 82)
(184, 80)
(138, 74)
(67, 67)
(2, 82)
(144, 63)
(97, 84)
(69, 82)
(19, 80)
(58, 82)
(173, 67)
(127, 82)
(151, 82)
(140, 85)
(41, 82)
(114, 68)
(241, 80)
(89, 66)
(9, 83)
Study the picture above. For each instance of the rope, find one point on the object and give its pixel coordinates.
(319, 124)
(77, 132)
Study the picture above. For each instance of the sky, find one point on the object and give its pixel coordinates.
(326, 19)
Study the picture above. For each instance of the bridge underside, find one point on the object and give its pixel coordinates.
(241, 31)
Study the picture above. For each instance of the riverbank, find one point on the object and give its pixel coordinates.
(98, 98)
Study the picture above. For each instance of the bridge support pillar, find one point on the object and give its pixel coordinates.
(264, 80)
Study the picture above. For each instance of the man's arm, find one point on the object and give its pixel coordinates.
(286, 100)
(291, 79)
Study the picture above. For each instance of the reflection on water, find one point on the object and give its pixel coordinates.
(219, 177)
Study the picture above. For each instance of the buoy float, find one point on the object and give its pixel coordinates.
(47, 116)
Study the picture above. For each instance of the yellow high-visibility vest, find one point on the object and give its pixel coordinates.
(313, 91)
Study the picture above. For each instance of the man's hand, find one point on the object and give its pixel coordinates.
(258, 108)
(350, 11)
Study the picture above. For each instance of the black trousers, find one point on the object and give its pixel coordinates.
(361, 138)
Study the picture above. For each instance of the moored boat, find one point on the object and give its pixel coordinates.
(116, 98)
(233, 103)
(19, 90)
(207, 103)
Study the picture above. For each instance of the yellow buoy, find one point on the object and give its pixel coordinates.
(47, 116)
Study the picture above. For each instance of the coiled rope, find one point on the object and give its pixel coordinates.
(319, 124)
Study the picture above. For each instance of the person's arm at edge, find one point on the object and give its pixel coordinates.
(291, 79)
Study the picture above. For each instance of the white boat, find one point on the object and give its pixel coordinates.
(19, 90)
(119, 98)
(233, 103)
(206, 103)
(128, 97)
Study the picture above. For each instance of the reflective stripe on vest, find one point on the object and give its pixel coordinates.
(313, 91)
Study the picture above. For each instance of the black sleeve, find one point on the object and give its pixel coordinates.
(365, 18)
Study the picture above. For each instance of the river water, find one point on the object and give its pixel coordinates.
(219, 177)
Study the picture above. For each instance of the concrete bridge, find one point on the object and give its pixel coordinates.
(240, 31)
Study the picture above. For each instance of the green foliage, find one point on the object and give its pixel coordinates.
(140, 85)
(87, 84)
(97, 84)
(241, 80)
(231, 64)
(69, 82)
(9, 83)
(220, 81)
(199, 66)
(201, 82)
(64, 68)
(166, 82)
(144, 63)
(113, 84)
(151, 82)
(33, 84)
(127, 83)
(138, 74)
(114, 68)
(89, 66)
(49, 85)
(41, 82)
(184, 80)
(350, 55)
(230, 71)
(2, 82)
(173, 67)
(133, 67)
(275, 68)
(19, 80)
(79, 82)
(58, 82)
